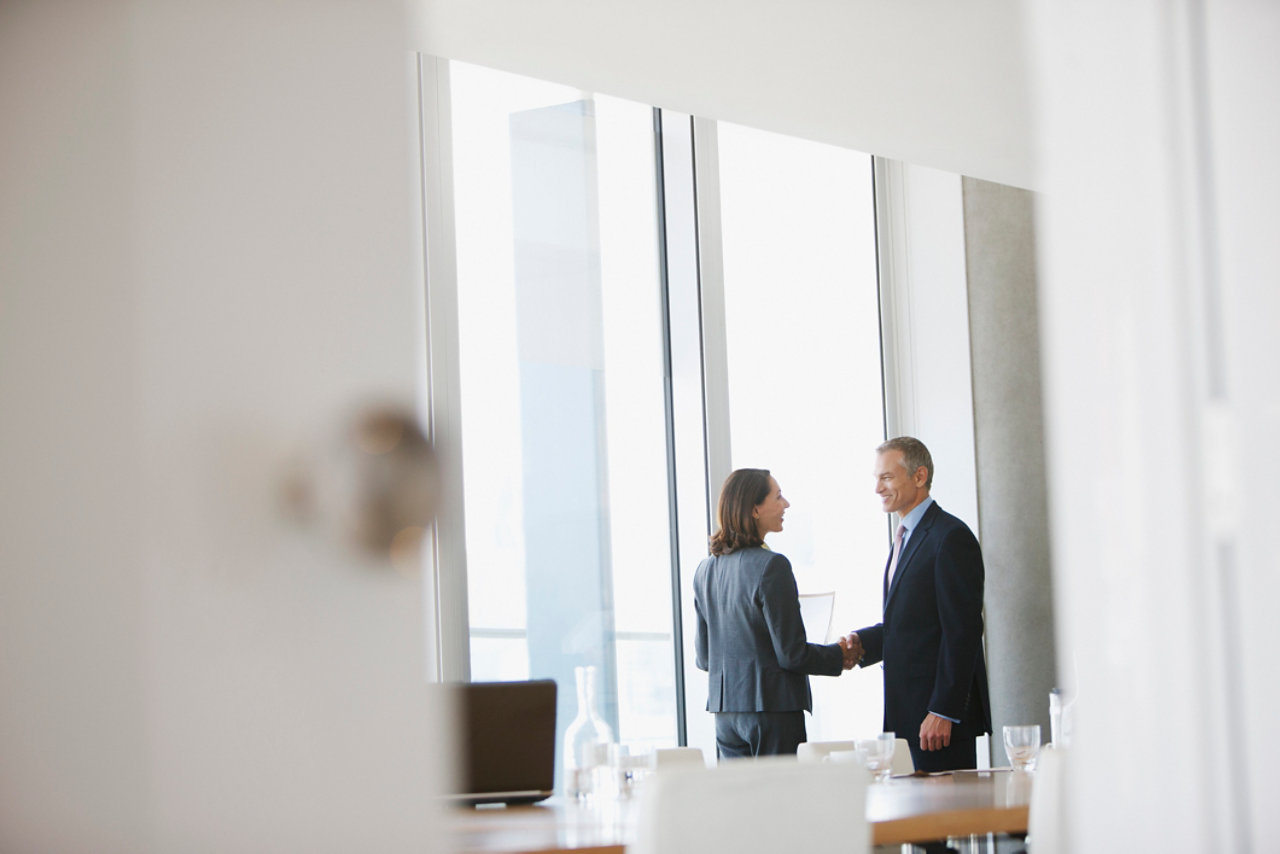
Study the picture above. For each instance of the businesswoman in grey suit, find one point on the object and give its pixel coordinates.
(750, 638)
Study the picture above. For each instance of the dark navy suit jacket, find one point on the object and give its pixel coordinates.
(931, 640)
(750, 638)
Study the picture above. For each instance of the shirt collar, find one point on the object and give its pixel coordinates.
(917, 513)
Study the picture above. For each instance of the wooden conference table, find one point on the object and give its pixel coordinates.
(900, 810)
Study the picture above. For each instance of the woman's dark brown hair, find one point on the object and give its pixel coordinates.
(742, 491)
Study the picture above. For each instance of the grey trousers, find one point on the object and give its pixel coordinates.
(746, 734)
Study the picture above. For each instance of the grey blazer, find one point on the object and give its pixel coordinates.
(750, 638)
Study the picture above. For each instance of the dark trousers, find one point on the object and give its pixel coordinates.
(960, 754)
(745, 734)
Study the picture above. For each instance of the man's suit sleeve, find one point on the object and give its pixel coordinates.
(958, 579)
(780, 602)
(872, 638)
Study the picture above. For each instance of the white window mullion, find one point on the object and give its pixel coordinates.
(447, 564)
(715, 353)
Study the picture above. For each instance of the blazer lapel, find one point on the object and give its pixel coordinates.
(918, 536)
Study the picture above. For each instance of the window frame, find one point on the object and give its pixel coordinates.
(691, 276)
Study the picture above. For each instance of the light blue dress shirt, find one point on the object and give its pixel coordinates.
(912, 519)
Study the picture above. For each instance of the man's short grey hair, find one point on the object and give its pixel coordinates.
(914, 455)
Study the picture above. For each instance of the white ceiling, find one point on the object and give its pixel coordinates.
(940, 84)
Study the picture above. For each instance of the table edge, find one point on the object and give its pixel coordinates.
(940, 825)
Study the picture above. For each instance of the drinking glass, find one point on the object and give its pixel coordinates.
(1022, 743)
(879, 754)
(634, 762)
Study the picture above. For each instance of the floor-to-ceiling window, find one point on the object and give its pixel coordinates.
(569, 346)
(805, 393)
(561, 371)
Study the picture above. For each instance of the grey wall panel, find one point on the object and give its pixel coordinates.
(1000, 253)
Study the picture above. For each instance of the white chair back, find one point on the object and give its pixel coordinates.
(816, 751)
(666, 758)
(1046, 825)
(902, 763)
(758, 806)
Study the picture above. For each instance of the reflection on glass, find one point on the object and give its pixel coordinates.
(802, 318)
(561, 369)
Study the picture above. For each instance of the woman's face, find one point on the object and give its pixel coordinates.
(768, 513)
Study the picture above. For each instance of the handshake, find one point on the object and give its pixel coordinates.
(851, 646)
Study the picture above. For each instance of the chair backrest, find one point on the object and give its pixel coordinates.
(665, 758)
(902, 763)
(758, 806)
(1046, 825)
(816, 751)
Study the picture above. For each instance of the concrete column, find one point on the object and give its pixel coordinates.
(1004, 339)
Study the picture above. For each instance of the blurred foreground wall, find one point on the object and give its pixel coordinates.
(207, 257)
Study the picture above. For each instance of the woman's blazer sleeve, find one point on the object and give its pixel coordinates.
(780, 602)
(700, 655)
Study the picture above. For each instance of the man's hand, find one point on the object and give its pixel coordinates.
(852, 648)
(935, 732)
(855, 646)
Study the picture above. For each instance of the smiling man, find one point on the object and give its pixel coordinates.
(930, 638)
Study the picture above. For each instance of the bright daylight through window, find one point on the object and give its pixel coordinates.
(805, 393)
(564, 410)
(561, 361)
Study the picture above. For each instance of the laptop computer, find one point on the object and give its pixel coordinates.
(508, 742)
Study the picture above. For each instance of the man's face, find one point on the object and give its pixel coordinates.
(899, 490)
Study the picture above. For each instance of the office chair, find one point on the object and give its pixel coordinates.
(817, 751)
(759, 806)
(1046, 829)
(666, 758)
(902, 763)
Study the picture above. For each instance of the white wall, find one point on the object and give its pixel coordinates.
(925, 325)
(928, 82)
(1158, 300)
(1245, 73)
(207, 240)
(73, 737)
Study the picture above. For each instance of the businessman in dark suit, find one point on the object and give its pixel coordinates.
(930, 638)
(750, 638)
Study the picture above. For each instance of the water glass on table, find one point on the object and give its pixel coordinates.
(634, 763)
(1022, 743)
(879, 754)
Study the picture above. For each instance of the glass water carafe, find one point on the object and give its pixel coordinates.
(587, 739)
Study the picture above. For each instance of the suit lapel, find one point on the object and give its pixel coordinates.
(918, 536)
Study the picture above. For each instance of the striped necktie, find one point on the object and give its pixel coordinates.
(893, 563)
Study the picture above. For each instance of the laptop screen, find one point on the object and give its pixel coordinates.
(508, 741)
